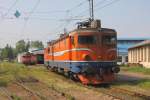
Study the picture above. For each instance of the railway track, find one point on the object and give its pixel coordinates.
(6, 93)
(120, 93)
(40, 89)
(131, 93)
(103, 91)
(35, 93)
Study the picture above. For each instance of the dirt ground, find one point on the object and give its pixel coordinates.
(132, 81)
(37, 92)
(40, 91)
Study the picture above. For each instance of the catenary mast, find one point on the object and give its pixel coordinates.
(91, 9)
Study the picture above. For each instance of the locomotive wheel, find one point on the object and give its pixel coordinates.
(73, 76)
(55, 69)
(66, 74)
(47, 67)
(61, 71)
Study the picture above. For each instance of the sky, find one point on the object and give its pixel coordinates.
(44, 20)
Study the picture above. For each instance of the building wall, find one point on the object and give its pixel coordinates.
(122, 47)
(140, 55)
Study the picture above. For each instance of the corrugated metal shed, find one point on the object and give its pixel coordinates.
(147, 42)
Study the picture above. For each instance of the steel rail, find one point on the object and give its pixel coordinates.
(31, 91)
(6, 93)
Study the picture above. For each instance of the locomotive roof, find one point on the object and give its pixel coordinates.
(94, 30)
(104, 30)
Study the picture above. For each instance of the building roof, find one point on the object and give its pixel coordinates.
(147, 42)
(38, 51)
(130, 39)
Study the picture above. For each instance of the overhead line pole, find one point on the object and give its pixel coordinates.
(91, 9)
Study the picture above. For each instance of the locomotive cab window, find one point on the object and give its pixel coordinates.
(109, 40)
(90, 39)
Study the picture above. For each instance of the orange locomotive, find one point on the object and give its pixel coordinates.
(87, 54)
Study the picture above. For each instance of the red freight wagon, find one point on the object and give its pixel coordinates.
(28, 59)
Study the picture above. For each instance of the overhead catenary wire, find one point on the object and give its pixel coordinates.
(114, 1)
(47, 12)
(68, 20)
(28, 17)
(81, 14)
(9, 9)
(68, 11)
(35, 18)
(98, 7)
(78, 5)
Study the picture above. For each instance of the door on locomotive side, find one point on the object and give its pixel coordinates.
(72, 46)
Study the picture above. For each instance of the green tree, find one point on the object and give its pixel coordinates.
(21, 46)
(7, 53)
(37, 44)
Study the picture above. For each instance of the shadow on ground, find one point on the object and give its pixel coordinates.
(129, 80)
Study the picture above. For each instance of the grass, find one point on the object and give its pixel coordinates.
(143, 83)
(15, 97)
(57, 82)
(11, 71)
(136, 69)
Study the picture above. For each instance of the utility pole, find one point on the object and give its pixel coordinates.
(91, 9)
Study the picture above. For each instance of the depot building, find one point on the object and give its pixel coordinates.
(140, 54)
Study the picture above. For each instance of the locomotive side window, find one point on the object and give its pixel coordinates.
(87, 39)
(48, 50)
(72, 40)
(109, 40)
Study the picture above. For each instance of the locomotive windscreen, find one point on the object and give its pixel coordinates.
(109, 40)
(90, 39)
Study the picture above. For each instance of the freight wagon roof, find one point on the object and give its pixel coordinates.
(147, 42)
